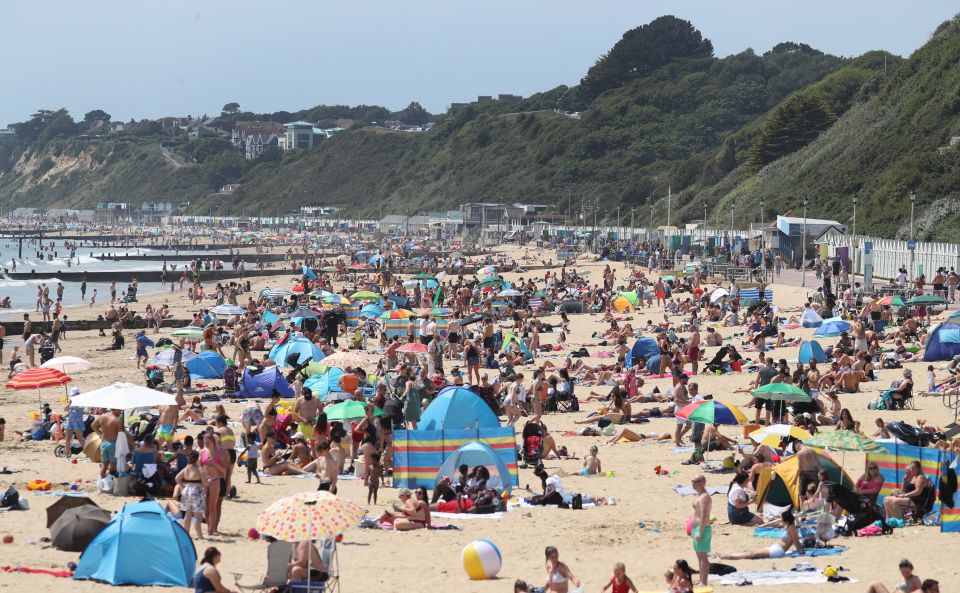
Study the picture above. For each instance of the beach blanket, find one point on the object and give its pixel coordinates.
(60, 493)
(464, 516)
(433, 527)
(688, 490)
(54, 573)
(774, 577)
(683, 449)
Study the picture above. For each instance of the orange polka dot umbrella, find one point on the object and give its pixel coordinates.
(309, 516)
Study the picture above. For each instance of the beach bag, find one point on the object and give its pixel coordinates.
(10, 499)
(105, 485)
(121, 485)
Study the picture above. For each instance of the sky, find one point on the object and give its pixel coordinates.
(154, 58)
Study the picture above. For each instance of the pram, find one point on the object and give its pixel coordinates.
(147, 425)
(532, 449)
(860, 511)
(717, 364)
(154, 376)
(46, 350)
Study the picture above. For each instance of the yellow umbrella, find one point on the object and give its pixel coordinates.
(309, 516)
(771, 435)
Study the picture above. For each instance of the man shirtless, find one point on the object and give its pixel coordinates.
(305, 412)
(107, 426)
(693, 350)
(809, 465)
(326, 466)
(702, 532)
(166, 425)
(681, 397)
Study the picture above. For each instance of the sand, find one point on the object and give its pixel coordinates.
(590, 541)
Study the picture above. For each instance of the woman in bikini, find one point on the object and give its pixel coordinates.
(212, 460)
(190, 487)
(777, 549)
(410, 514)
(274, 463)
(559, 575)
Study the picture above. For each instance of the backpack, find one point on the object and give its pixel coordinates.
(10, 499)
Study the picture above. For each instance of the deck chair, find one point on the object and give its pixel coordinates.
(328, 553)
(279, 555)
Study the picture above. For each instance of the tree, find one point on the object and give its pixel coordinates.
(414, 114)
(643, 50)
(794, 124)
(231, 108)
(59, 125)
(96, 115)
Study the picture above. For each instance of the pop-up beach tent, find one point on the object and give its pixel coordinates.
(473, 454)
(208, 365)
(645, 347)
(812, 350)
(419, 454)
(780, 485)
(457, 407)
(142, 545)
(810, 318)
(943, 343)
(264, 383)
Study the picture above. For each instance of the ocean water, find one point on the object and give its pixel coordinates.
(23, 293)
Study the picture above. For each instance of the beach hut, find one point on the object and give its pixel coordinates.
(812, 350)
(810, 318)
(473, 454)
(645, 347)
(457, 407)
(780, 485)
(142, 545)
(943, 343)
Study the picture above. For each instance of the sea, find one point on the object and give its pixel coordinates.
(23, 293)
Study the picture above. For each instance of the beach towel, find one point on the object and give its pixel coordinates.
(683, 449)
(54, 573)
(774, 577)
(688, 490)
(465, 516)
(778, 532)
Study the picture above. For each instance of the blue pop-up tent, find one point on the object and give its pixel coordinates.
(473, 454)
(325, 383)
(302, 347)
(943, 343)
(264, 383)
(208, 365)
(645, 347)
(457, 407)
(812, 350)
(142, 545)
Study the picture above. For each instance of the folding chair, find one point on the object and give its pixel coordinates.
(328, 554)
(570, 404)
(279, 555)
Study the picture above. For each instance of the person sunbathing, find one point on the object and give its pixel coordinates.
(779, 548)
(628, 435)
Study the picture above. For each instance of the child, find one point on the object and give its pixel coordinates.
(373, 477)
(93, 298)
(591, 464)
(252, 455)
(620, 582)
(931, 380)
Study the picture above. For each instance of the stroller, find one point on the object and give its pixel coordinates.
(154, 376)
(861, 512)
(146, 426)
(532, 448)
(282, 429)
(46, 350)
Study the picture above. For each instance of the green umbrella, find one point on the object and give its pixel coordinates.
(781, 392)
(365, 295)
(188, 332)
(631, 297)
(844, 440)
(422, 276)
(491, 282)
(927, 299)
(328, 269)
(349, 410)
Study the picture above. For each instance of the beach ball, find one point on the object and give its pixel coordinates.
(481, 560)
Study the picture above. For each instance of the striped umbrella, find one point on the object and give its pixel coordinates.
(435, 312)
(771, 435)
(37, 378)
(275, 293)
(712, 412)
(397, 314)
(891, 300)
(336, 299)
(167, 357)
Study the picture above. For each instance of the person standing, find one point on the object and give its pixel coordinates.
(108, 428)
(74, 425)
(702, 532)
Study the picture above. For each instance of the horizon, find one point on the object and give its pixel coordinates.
(180, 59)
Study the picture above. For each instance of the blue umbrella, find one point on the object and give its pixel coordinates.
(309, 273)
(832, 327)
(302, 347)
(371, 311)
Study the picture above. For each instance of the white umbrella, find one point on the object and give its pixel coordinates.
(123, 396)
(68, 364)
(227, 309)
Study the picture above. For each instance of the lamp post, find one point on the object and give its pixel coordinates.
(732, 206)
(803, 250)
(913, 252)
(853, 243)
(761, 223)
(650, 211)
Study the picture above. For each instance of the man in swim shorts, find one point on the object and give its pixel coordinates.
(702, 532)
(108, 427)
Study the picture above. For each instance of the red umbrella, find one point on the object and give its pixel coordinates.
(37, 378)
(413, 347)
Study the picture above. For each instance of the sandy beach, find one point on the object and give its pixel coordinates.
(590, 541)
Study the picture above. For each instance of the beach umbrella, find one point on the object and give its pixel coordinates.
(227, 309)
(300, 314)
(422, 276)
(64, 504)
(37, 378)
(435, 312)
(309, 516)
(510, 292)
(712, 412)
(275, 293)
(397, 314)
(68, 364)
(191, 332)
(320, 293)
(349, 410)
(668, 278)
(168, 357)
(831, 327)
(336, 299)
(308, 273)
(844, 440)
(927, 299)
(415, 347)
(781, 392)
(301, 347)
(77, 527)
(771, 435)
(365, 295)
(123, 396)
(359, 266)
(343, 360)
(495, 281)
(487, 271)
(891, 301)
(328, 269)
(474, 318)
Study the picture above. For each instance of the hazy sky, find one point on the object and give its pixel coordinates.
(151, 58)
